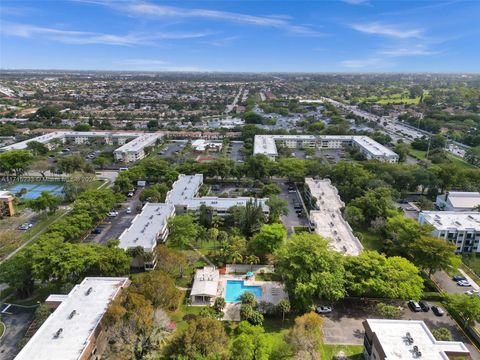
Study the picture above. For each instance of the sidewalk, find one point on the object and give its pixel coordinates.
(469, 279)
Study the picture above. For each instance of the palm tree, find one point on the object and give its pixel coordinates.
(236, 256)
(252, 260)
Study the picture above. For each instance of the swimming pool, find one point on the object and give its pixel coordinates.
(34, 190)
(235, 289)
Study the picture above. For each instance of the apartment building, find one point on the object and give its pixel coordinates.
(74, 331)
(327, 220)
(458, 201)
(460, 228)
(135, 149)
(407, 339)
(148, 228)
(372, 150)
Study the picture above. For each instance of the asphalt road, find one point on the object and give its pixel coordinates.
(16, 324)
(112, 227)
(445, 282)
(235, 154)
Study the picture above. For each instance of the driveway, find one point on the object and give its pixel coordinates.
(291, 219)
(16, 324)
(446, 283)
(344, 324)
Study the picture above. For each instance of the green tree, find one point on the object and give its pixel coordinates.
(374, 203)
(248, 218)
(388, 311)
(283, 307)
(306, 336)
(204, 338)
(219, 304)
(270, 189)
(442, 334)
(182, 230)
(310, 269)
(468, 307)
(37, 148)
(258, 166)
(251, 343)
(43, 202)
(402, 150)
(17, 273)
(15, 161)
(373, 274)
(268, 239)
(472, 156)
(277, 208)
(71, 163)
(431, 253)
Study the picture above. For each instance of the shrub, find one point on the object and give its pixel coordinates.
(388, 311)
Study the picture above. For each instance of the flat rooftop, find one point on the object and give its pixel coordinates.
(325, 193)
(453, 220)
(78, 315)
(392, 336)
(463, 199)
(373, 147)
(331, 225)
(184, 188)
(223, 203)
(139, 143)
(265, 144)
(146, 226)
(41, 139)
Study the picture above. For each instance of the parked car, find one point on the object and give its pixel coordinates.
(96, 231)
(291, 189)
(25, 226)
(323, 309)
(464, 283)
(130, 194)
(113, 213)
(414, 306)
(424, 305)
(471, 292)
(129, 210)
(459, 278)
(437, 310)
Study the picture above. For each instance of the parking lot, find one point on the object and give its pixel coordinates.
(233, 151)
(172, 148)
(291, 219)
(446, 283)
(17, 320)
(344, 324)
(112, 227)
(330, 155)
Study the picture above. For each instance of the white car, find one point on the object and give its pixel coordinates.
(323, 309)
(464, 283)
(113, 213)
(128, 211)
(471, 292)
(25, 226)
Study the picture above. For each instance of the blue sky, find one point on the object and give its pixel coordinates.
(249, 36)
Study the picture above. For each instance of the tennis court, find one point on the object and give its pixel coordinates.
(34, 190)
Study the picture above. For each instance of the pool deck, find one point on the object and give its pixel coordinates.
(272, 291)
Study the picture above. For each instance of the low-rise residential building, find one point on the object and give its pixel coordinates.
(73, 331)
(203, 145)
(460, 228)
(147, 229)
(458, 201)
(407, 339)
(135, 149)
(205, 285)
(267, 145)
(327, 219)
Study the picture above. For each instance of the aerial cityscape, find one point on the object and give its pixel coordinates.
(239, 180)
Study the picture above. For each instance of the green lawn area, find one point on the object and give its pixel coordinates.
(353, 352)
(390, 99)
(418, 154)
(183, 310)
(460, 162)
(369, 240)
(2, 328)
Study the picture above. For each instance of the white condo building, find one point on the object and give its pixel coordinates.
(267, 145)
(407, 339)
(72, 330)
(151, 226)
(458, 201)
(127, 152)
(460, 228)
(327, 219)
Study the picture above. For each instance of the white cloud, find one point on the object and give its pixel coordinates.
(373, 63)
(88, 38)
(417, 50)
(378, 28)
(155, 10)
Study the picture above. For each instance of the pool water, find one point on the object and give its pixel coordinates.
(34, 190)
(235, 289)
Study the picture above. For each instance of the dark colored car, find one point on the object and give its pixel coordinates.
(437, 310)
(459, 278)
(413, 305)
(424, 305)
(96, 231)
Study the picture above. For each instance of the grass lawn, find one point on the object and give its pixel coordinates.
(369, 240)
(353, 352)
(460, 162)
(2, 328)
(418, 154)
(183, 310)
